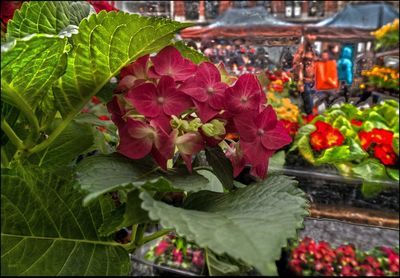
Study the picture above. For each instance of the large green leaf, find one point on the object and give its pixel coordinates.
(104, 173)
(251, 223)
(46, 17)
(29, 66)
(74, 140)
(107, 42)
(45, 230)
(221, 165)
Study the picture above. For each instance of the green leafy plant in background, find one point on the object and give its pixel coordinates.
(354, 157)
(58, 217)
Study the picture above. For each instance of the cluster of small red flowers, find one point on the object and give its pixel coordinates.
(325, 136)
(277, 79)
(380, 142)
(168, 246)
(167, 102)
(309, 258)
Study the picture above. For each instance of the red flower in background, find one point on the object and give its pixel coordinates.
(356, 122)
(7, 10)
(385, 154)
(102, 5)
(381, 142)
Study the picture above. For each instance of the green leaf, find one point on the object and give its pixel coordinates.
(105, 44)
(125, 215)
(29, 66)
(46, 232)
(393, 173)
(396, 143)
(334, 154)
(221, 166)
(46, 17)
(276, 163)
(73, 141)
(214, 184)
(190, 53)
(250, 224)
(105, 173)
(373, 173)
(305, 149)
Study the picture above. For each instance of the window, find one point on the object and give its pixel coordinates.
(292, 8)
(148, 8)
(316, 8)
(192, 10)
(211, 9)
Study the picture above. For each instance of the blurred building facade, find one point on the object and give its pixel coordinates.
(203, 12)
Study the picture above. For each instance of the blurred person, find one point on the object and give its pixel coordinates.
(345, 70)
(304, 72)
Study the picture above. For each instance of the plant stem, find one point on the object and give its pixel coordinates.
(10, 96)
(153, 236)
(4, 159)
(139, 233)
(56, 132)
(11, 135)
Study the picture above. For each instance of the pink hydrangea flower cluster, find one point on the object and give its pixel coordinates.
(167, 102)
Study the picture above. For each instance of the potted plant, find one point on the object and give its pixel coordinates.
(59, 217)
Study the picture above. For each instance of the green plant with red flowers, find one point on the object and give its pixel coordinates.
(360, 143)
(177, 252)
(170, 111)
(310, 258)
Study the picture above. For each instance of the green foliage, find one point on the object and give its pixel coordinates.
(251, 223)
(46, 17)
(105, 173)
(105, 44)
(57, 216)
(29, 66)
(45, 230)
(221, 166)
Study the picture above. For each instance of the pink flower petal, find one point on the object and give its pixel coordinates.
(218, 98)
(254, 152)
(117, 110)
(193, 89)
(276, 138)
(208, 74)
(169, 61)
(266, 119)
(138, 68)
(260, 170)
(235, 155)
(245, 125)
(245, 95)
(205, 112)
(135, 139)
(144, 99)
(176, 102)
